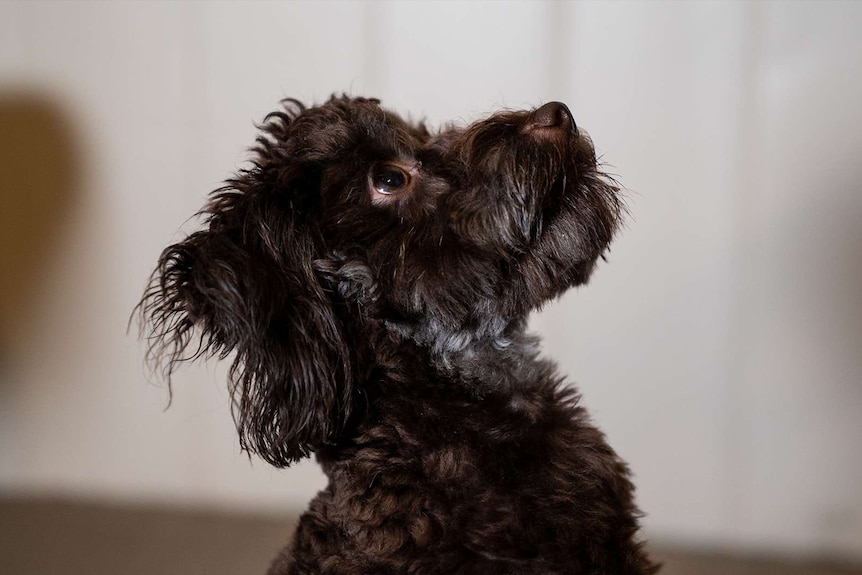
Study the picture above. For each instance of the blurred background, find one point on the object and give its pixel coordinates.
(720, 348)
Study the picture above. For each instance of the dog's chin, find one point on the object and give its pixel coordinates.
(581, 213)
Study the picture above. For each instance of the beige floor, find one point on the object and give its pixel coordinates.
(53, 537)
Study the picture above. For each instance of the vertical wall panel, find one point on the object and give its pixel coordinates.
(454, 60)
(801, 363)
(83, 411)
(251, 56)
(658, 87)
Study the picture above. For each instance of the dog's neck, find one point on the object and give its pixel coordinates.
(487, 354)
(487, 358)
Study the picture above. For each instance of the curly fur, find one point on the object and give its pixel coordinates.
(385, 333)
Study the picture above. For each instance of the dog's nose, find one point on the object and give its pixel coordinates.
(553, 115)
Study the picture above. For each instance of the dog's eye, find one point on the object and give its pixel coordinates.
(390, 180)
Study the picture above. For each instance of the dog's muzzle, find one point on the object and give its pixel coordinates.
(553, 116)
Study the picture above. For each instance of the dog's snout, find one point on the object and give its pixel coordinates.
(552, 115)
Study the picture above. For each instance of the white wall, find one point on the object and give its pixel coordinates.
(719, 348)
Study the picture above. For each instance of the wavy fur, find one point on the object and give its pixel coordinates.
(373, 281)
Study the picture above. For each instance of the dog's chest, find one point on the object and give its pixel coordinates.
(456, 474)
(444, 483)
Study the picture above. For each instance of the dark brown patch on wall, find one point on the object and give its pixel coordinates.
(39, 175)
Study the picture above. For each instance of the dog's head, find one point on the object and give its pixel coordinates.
(352, 220)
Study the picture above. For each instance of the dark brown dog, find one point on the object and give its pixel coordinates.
(373, 280)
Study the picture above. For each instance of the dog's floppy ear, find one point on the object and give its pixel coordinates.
(246, 285)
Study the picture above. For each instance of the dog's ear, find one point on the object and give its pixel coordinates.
(246, 285)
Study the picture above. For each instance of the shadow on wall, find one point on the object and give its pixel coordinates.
(39, 177)
(828, 233)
